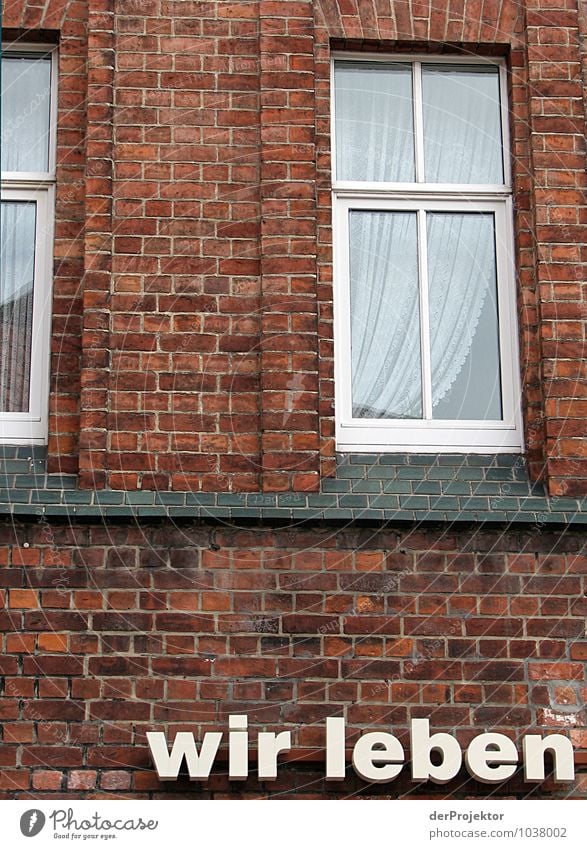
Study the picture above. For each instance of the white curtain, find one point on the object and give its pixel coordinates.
(374, 123)
(462, 143)
(17, 252)
(385, 315)
(25, 113)
(463, 311)
(462, 124)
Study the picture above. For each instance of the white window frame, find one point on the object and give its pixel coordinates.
(426, 435)
(38, 187)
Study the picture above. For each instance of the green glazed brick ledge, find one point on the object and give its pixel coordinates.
(368, 488)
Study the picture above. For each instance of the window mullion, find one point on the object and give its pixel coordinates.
(418, 121)
(424, 315)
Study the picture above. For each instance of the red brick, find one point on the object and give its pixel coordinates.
(47, 779)
(115, 780)
(79, 779)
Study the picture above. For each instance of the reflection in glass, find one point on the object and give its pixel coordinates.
(385, 315)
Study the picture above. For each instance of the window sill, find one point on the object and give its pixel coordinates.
(403, 489)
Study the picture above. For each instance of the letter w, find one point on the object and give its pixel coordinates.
(168, 763)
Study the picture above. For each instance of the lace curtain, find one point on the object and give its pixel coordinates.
(464, 350)
(374, 122)
(385, 317)
(462, 124)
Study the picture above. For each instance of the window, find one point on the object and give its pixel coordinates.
(26, 223)
(426, 351)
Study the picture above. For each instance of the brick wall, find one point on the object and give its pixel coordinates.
(200, 353)
(174, 403)
(110, 631)
(558, 159)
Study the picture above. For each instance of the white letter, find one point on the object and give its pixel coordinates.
(422, 745)
(378, 764)
(238, 748)
(184, 745)
(335, 762)
(270, 745)
(534, 746)
(479, 756)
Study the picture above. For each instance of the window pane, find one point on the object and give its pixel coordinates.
(462, 124)
(385, 315)
(464, 329)
(374, 122)
(25, 113)
(18, 221)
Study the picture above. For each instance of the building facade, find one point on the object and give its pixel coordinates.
(293, 383)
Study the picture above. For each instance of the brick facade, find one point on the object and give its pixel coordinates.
(203, 283)
(192, 390)
(124, 629)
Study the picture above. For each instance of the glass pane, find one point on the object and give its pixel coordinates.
(374, 122)
(462, 124)
(18, 221)
(385, 316)
(464, 328)
(26, 87)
